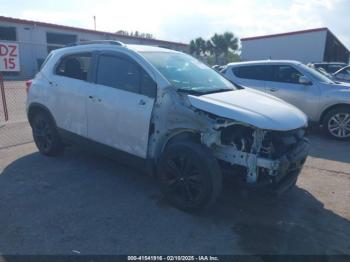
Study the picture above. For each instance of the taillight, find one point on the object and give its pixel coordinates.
(28, 85)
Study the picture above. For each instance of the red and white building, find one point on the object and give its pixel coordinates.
(314, 45)
(37, 39)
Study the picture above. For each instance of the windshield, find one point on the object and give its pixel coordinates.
(186, 73)
(317, 75)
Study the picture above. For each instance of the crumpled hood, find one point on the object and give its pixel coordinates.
(251, 107)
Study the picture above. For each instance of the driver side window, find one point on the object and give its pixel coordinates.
(124, 74)
(287, 74)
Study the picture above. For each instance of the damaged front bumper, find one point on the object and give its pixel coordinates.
(289, 167)
(277, 175)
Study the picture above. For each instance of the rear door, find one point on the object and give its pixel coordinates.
(68, 88)
(252, 76)
(119, 105)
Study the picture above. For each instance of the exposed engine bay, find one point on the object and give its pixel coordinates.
(263, 154)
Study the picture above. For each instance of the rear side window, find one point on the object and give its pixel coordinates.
(75, 66)
(123, 74)
(254, 72)
(45, 61)
(286, 74)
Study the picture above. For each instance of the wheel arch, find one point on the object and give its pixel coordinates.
(330, 108)
(37, 107)
(175, 136)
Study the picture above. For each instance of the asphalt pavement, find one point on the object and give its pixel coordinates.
(84, 202)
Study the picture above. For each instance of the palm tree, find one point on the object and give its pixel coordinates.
(231, 43)
(209, 48)
(198, 46)
(193, 47)
(219, 45)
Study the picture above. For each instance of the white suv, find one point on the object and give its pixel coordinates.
(171, 111)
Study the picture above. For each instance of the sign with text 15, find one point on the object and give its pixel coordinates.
(9, 57)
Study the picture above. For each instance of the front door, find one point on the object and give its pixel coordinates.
(285, 85)
(119, 113)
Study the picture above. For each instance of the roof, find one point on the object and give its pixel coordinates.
(106, 46)
(286, 34)
(148, 48)
(328, 63)
(264, 62)
(78, 29)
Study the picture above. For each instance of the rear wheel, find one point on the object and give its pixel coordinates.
(336, 123)
(189, 176)
(45, 135)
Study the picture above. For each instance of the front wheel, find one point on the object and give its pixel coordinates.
(336, 123)
(189, 176)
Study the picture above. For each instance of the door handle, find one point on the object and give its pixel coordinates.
(95, 99)
(273, 89)
(142, 102)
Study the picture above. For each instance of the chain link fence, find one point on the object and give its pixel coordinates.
(15, 130)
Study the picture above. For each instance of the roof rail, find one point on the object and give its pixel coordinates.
(91, 42)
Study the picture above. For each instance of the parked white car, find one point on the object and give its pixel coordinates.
(169, 110)
(324, 101)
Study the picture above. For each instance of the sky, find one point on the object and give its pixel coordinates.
(183, 20)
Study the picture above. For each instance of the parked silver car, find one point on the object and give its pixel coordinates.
(324, 101)
(329, 67)
(342, 75)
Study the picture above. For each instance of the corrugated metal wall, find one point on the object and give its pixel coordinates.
(307, 47)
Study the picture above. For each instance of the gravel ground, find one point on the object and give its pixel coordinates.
(84, 202)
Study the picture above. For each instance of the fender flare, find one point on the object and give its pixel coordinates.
(329, 108)
(36, 107)
(175, 135)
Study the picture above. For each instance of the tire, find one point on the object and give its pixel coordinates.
(45, 135)
(336, 123)
(189, 176)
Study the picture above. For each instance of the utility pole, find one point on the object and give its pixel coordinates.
(95, 22)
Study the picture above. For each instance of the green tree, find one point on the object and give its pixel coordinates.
(231, 44)
(219, 49)
(209, 48)
(219, 44)
(233, 57)
(198, 46)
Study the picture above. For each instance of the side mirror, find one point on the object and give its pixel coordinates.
(304, 81)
